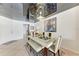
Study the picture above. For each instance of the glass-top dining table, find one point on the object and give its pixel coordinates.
(39, 44)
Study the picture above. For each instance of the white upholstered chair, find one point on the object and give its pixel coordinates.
(55, 48)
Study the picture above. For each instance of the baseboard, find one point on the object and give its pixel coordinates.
(71, 50)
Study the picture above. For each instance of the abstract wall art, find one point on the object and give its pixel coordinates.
(50, 25)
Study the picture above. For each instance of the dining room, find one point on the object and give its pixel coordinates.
(39, 29)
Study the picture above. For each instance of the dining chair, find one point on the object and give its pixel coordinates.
(55, 48)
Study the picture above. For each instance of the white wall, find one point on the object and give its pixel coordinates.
(67, 26)
(77, 40)
(10, 30)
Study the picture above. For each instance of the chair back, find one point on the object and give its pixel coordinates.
(58, 43)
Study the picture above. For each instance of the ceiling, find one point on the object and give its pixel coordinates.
(36, 10)
(12, 10)
(18, 11)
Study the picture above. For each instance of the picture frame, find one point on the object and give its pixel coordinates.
(50, 25)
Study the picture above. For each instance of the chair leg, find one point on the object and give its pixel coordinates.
(54, 54)
(30, 48)
(58, 52)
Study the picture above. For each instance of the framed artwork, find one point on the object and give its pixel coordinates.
(50, 25)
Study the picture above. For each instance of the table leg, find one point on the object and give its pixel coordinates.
(45, 51)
